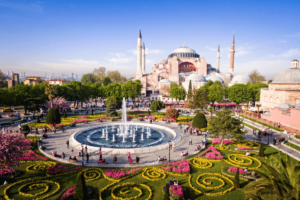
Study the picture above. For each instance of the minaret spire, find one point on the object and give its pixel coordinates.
(231, 66)
(218, 59)
(233, 42)
(139, 72)
(140, 34)
(143, 58)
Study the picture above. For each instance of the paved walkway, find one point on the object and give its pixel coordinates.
(57, 142)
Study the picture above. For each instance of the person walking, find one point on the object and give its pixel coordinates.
(67, 143)
(190, 141)
(205, 143)
(86, 148)
(115, 159)
(63, 156)
(274, 141)
(87, 157)
(128, 155)
(100, 155)
(173, 147)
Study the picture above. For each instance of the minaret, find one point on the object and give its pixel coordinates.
(143, 59)
(218, 59)
(139, 72)
(231, 66)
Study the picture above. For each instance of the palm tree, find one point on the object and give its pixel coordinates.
(281, 181)
(50, 91)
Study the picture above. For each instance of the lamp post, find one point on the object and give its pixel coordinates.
(187, 116)
(169, 149)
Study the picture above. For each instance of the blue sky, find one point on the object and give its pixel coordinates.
(65, 36)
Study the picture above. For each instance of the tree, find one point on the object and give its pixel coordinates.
(53, 116)
(190, 91)
(177, 92)
(256, 77)
(167, 192)
(238, 93)
(156, 106)
(51, 91)
(270, 81)
(116, 77)
(172, 113)
(113, 89)
(199, 98)
(131, 89)
(80, 192)
(111, 110)
(3, 81)
(223, 125)
(215, 93)
(237, 179)
(281, 180)
(107, 81)
(200, 121)
(59, 102)
(34, 104)
(12, 148)
(87, 78)
(115, 101)
(99, 74)
(253, 91)
(261, 152)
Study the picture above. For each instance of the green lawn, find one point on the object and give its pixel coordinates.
(293, 145)
(68, 180)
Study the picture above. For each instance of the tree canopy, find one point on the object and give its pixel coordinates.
(238, 93)
(156, 106)
(88, 78)
(177, 92)
(256, 76)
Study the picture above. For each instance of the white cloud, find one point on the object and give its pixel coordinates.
(81, 61)
(120, 58)
(239, 51)
(148, 51)
(148, 61)
(210, 48)
(290, 53)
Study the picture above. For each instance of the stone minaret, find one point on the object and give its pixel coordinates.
(143, 59)
(139, 72)
(218, 59)
(231, 66)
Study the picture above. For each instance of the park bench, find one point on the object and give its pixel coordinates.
(102, 163)
(71, 160)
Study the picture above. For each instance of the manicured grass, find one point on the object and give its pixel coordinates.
(293, 145)
(69, 180)
(264, 124)
(250, 126)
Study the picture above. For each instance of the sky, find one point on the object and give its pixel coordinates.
(64, 37)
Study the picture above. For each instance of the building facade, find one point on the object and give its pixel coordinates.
(14, 80)
(33, 80)
(58, 81)
(180, 64)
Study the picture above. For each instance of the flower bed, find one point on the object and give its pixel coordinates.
(120, 173)
(39, 166)
(180, 166)
(234, 169)
(200, 163)
(62, 168)
(153, 174)
(4, 171)
(214, 154)
(70, 192)
(31, 156)
(243, 161)
(218, 140)
(176, 192)
(149, 117)
(80, 120)
(127, 188)
(243, 148)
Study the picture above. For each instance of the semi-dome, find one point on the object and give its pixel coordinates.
(165, 81)
(291, 75)
(195, 78)
(285, 106)
(214, 78)
(184, 52)
(241, 79)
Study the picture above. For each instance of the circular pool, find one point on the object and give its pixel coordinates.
(113, 137)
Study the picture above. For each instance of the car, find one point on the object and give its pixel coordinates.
(6, 110)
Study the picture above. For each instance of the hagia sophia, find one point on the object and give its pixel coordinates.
(182, 66)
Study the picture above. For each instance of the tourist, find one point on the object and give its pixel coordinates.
(86, 148)
(75, 158)
(43, 148)
(190, 141)
(37, 130)
(63, 156)
(67, 143)
(130, 160)
(173, 147)
(246, 170)
(274, 124)
(100, 155)
(278, 124)
(170, 183)
(158, 159)
(247, 153)
(137, 159)
(128, 155)
(182, 154)
(115, 159)
(274, 141)
(254, 131)
(87, 157)
(54, 130)
(100, 149)
(271, 133)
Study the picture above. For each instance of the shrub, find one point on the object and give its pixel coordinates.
(38, 119)
(80, 189)
(261, 152)
(200, 121)
(114, 100)
(167, 192)
(264, 124)
(53, 116)
(172, 113)
(237, 179)
(65, 114)
(111, 111)
(25, 128)
(156, 106)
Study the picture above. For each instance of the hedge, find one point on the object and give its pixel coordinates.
(264, 124)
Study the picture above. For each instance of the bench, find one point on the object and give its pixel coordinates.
(161, 160)
(102, 163)
(71, 160)
(134, 163)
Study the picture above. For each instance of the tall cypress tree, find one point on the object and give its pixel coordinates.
(237, 179)
(111, 110)
(190, 92)
(261, 152)
(167, 192)
(80, 188)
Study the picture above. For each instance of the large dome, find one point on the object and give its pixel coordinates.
(184, 52)
(241, 79)
(195, 78)
(214, 78)
(291, 75)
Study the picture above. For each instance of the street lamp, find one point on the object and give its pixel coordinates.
(187, 116)
(169, 149)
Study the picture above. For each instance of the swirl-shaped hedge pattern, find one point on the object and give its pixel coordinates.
(129, 191)
(243, 161)
(91, 174)
(153, 174)
(39, 166)
(200, 163)
(33, 188)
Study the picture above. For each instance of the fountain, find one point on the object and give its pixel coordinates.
(106, 136)
(133, 138)
(113, 140)
(142, 136)
(123, 138)
(103, 136)
(136, 127)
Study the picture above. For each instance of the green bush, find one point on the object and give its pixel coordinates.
(65, 114)
(261, 152)
(25, 129)
(267, 125)
(156, 106)
(38, 119)
(237, 179)
(200, 121)
(53, 116)
(114, 100)
(167, 192)
(111, 111)
(172, 113)
(80, 192)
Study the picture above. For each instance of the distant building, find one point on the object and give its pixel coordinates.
(32, 80)
(58, 81)
(14, 80)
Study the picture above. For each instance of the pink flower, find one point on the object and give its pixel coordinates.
(177, 190)
(218, 140)
(233, 169)
(211, 155)
(244, 148)
(180, 166)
